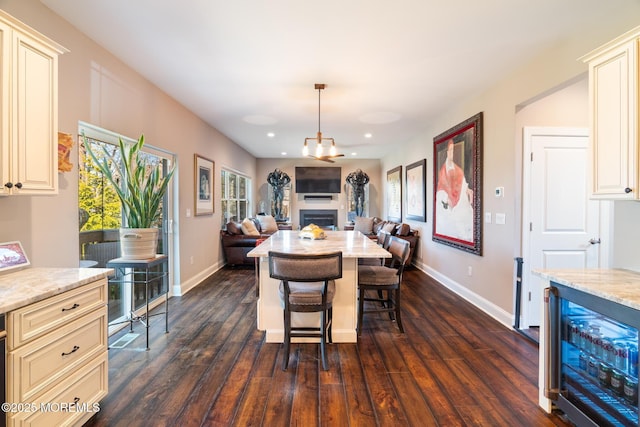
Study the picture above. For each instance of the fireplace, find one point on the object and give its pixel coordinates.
(319, 217)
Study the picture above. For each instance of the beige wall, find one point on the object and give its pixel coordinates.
(97, 88)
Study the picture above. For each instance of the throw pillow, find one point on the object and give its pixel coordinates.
(364, 225)
(249, 228)
(234, 227)
(268, 223)
(377, 226)
(389, 227)
(404, 230)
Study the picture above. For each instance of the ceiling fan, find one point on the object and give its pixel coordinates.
(319, 139)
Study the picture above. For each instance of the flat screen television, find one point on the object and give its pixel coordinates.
(318, 179)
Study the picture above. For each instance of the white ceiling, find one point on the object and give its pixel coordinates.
(249, 67)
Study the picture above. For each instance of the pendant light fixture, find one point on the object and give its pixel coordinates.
(319, 139)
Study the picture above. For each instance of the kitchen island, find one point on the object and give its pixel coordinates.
(607, 288)
(353, 245)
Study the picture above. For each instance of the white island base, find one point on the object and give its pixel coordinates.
(353, 245)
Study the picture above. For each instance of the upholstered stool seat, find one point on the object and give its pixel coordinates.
(376, 275)
(307, 293)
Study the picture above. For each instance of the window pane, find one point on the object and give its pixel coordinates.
(99, 205)
(224, 186)
(225, 214)
(242, 191)
(233, 186)
(242, 211)
(233, 211)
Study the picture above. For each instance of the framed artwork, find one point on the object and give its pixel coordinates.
(203, 185)
(457, 183)
(416, 190)
(12, 256)
(394, 194)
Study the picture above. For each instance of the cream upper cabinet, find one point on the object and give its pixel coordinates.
(29, 110)
(613, 105)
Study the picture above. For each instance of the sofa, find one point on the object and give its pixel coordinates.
(238, 238)
(369, 226)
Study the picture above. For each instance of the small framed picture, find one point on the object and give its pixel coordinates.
(416, 190)
(203, 185)
(12, 256)
(394, 194)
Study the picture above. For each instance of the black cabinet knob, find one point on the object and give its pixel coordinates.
(19, 185)
(627, 190)
(9, 184)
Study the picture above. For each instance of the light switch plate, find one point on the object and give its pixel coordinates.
(487, 217)
(501, 218)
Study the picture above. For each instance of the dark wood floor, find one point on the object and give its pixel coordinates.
(454, 366)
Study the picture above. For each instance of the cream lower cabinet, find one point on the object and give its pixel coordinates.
(57, 362)
(28, 110)
(614, 78)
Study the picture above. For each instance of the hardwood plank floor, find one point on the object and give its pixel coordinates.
(454, 366)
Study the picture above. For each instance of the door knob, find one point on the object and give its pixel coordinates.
(594, 241)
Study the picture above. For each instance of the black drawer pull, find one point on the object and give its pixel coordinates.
(75, 348)
(72, 407)
(72, 307)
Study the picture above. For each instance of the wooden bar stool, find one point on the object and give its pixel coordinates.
(382, 278)
(307, 284)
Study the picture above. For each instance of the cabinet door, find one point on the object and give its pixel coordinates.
(5, 107)
(34, 129)
(614, 115)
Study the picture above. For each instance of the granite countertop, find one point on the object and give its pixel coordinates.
(353, 244)
(24, 287)
(617, 285)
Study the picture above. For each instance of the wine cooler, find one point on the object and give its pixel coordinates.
(592, 357)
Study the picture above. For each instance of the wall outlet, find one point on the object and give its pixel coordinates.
(191, 259)
(470, 271)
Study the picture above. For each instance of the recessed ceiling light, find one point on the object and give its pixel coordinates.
(368, 135)
(284, 153)
(354, 154)
(271, 134)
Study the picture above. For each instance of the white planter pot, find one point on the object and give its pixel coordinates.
(138, 243)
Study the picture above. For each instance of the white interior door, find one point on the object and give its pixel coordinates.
(560, 222)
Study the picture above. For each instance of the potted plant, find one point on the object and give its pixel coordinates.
(140, 186)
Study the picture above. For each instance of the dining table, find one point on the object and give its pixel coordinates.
(353, 245)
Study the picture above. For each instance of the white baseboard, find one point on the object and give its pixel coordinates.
(488, 307)
(184, 287)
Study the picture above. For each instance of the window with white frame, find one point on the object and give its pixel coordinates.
(236, 196)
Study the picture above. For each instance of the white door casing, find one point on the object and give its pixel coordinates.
(560, 227)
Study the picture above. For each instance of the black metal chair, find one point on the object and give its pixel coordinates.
(383, 278)
(307, 284)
